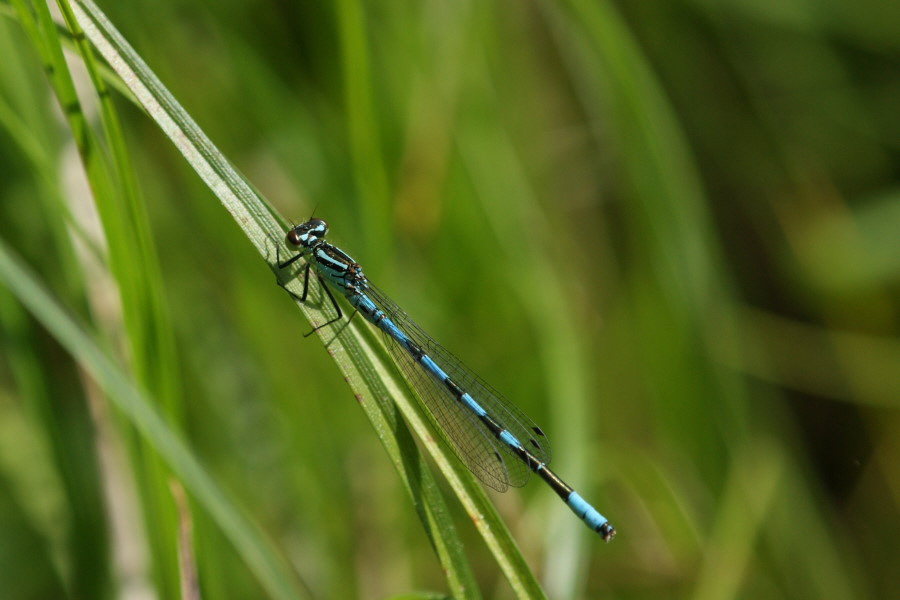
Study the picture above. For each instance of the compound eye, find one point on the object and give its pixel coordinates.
(294, 237)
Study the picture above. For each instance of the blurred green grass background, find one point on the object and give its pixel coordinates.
(668, 231)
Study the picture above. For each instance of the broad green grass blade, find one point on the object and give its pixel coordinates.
(369, 170)
(359, 363)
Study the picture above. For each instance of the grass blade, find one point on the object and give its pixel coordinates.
(262, 558)
(359, 360)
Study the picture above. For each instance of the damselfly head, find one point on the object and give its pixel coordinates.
(307, 234)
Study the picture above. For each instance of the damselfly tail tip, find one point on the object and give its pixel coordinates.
(607, 532)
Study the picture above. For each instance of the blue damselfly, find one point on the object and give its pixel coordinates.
(492, 437)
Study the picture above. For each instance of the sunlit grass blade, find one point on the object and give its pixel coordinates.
(362, 370)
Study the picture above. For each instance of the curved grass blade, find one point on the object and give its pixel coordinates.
(358, 360)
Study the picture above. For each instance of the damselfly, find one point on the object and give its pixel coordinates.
(492, 437)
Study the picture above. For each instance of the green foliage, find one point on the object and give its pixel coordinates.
(667, 233)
